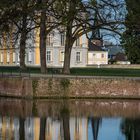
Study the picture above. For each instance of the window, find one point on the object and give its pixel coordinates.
(102, 55)
(8, 40)
(18, 57)
(62, 39)
(49, 40)
(48, 56)
(1, 43)
(78, 42)
(62, 56)
(30, 56)
(78, 56)
(8, 57)
(1, 57)
(14, 58)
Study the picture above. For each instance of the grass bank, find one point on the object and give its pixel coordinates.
(77, 71)
(106, 72)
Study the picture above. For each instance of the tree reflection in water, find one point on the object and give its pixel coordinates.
(95, 127)
(65, 119)
(22, 128)
(69, 120)
(131, 129)
(42, 128)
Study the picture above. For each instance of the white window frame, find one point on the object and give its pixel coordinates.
(1, 57)
(77, 43)
(49, 40)
(78, 56)
(18, 57)
(62, 53)
(8, 57)
(30, 56)
(48, 56)
(62, 39)
(14, 57)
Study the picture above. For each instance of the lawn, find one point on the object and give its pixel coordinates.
(78, 71)
(106, 72)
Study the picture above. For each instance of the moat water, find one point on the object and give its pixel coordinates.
(69, 120)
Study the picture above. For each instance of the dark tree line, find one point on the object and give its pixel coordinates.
(72, 17)
(131, 37)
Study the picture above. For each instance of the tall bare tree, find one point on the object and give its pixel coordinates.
(49, 20)
(18, 15)
(43, 19)
(79, 17)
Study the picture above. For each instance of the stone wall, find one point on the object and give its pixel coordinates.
(88, 87)
(16, 87)
(71, 88)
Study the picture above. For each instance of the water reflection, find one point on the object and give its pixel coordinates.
(67, 125)
(131, 129)
(76, 128)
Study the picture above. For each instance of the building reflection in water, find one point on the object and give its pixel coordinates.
(32, 129)
(81, 128)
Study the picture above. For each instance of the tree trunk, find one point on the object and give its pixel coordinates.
(42, 128)
(43, 40)
(68, 47)
(66, 69)
(23, 42)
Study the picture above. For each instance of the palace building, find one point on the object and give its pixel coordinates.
(84, 52)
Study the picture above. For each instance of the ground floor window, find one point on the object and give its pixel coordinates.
(1, 57)
(30, 56)
(14, 57)
(48, 57)
(18, 57)
(8, 57)
(61, 56)
(78, 57)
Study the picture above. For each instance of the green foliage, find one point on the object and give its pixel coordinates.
(132, 48)
(34, 85)
(78, 71)
(131, 127)
(65, 83)
(131, 37)
(50, 83)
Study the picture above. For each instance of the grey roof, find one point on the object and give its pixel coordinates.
(114, 49)
(93, 47)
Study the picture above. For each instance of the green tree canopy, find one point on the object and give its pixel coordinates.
(131, 37)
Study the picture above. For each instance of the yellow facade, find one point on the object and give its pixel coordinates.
(6, 51)
(7, 129)
(37, 49)
(36, 128)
